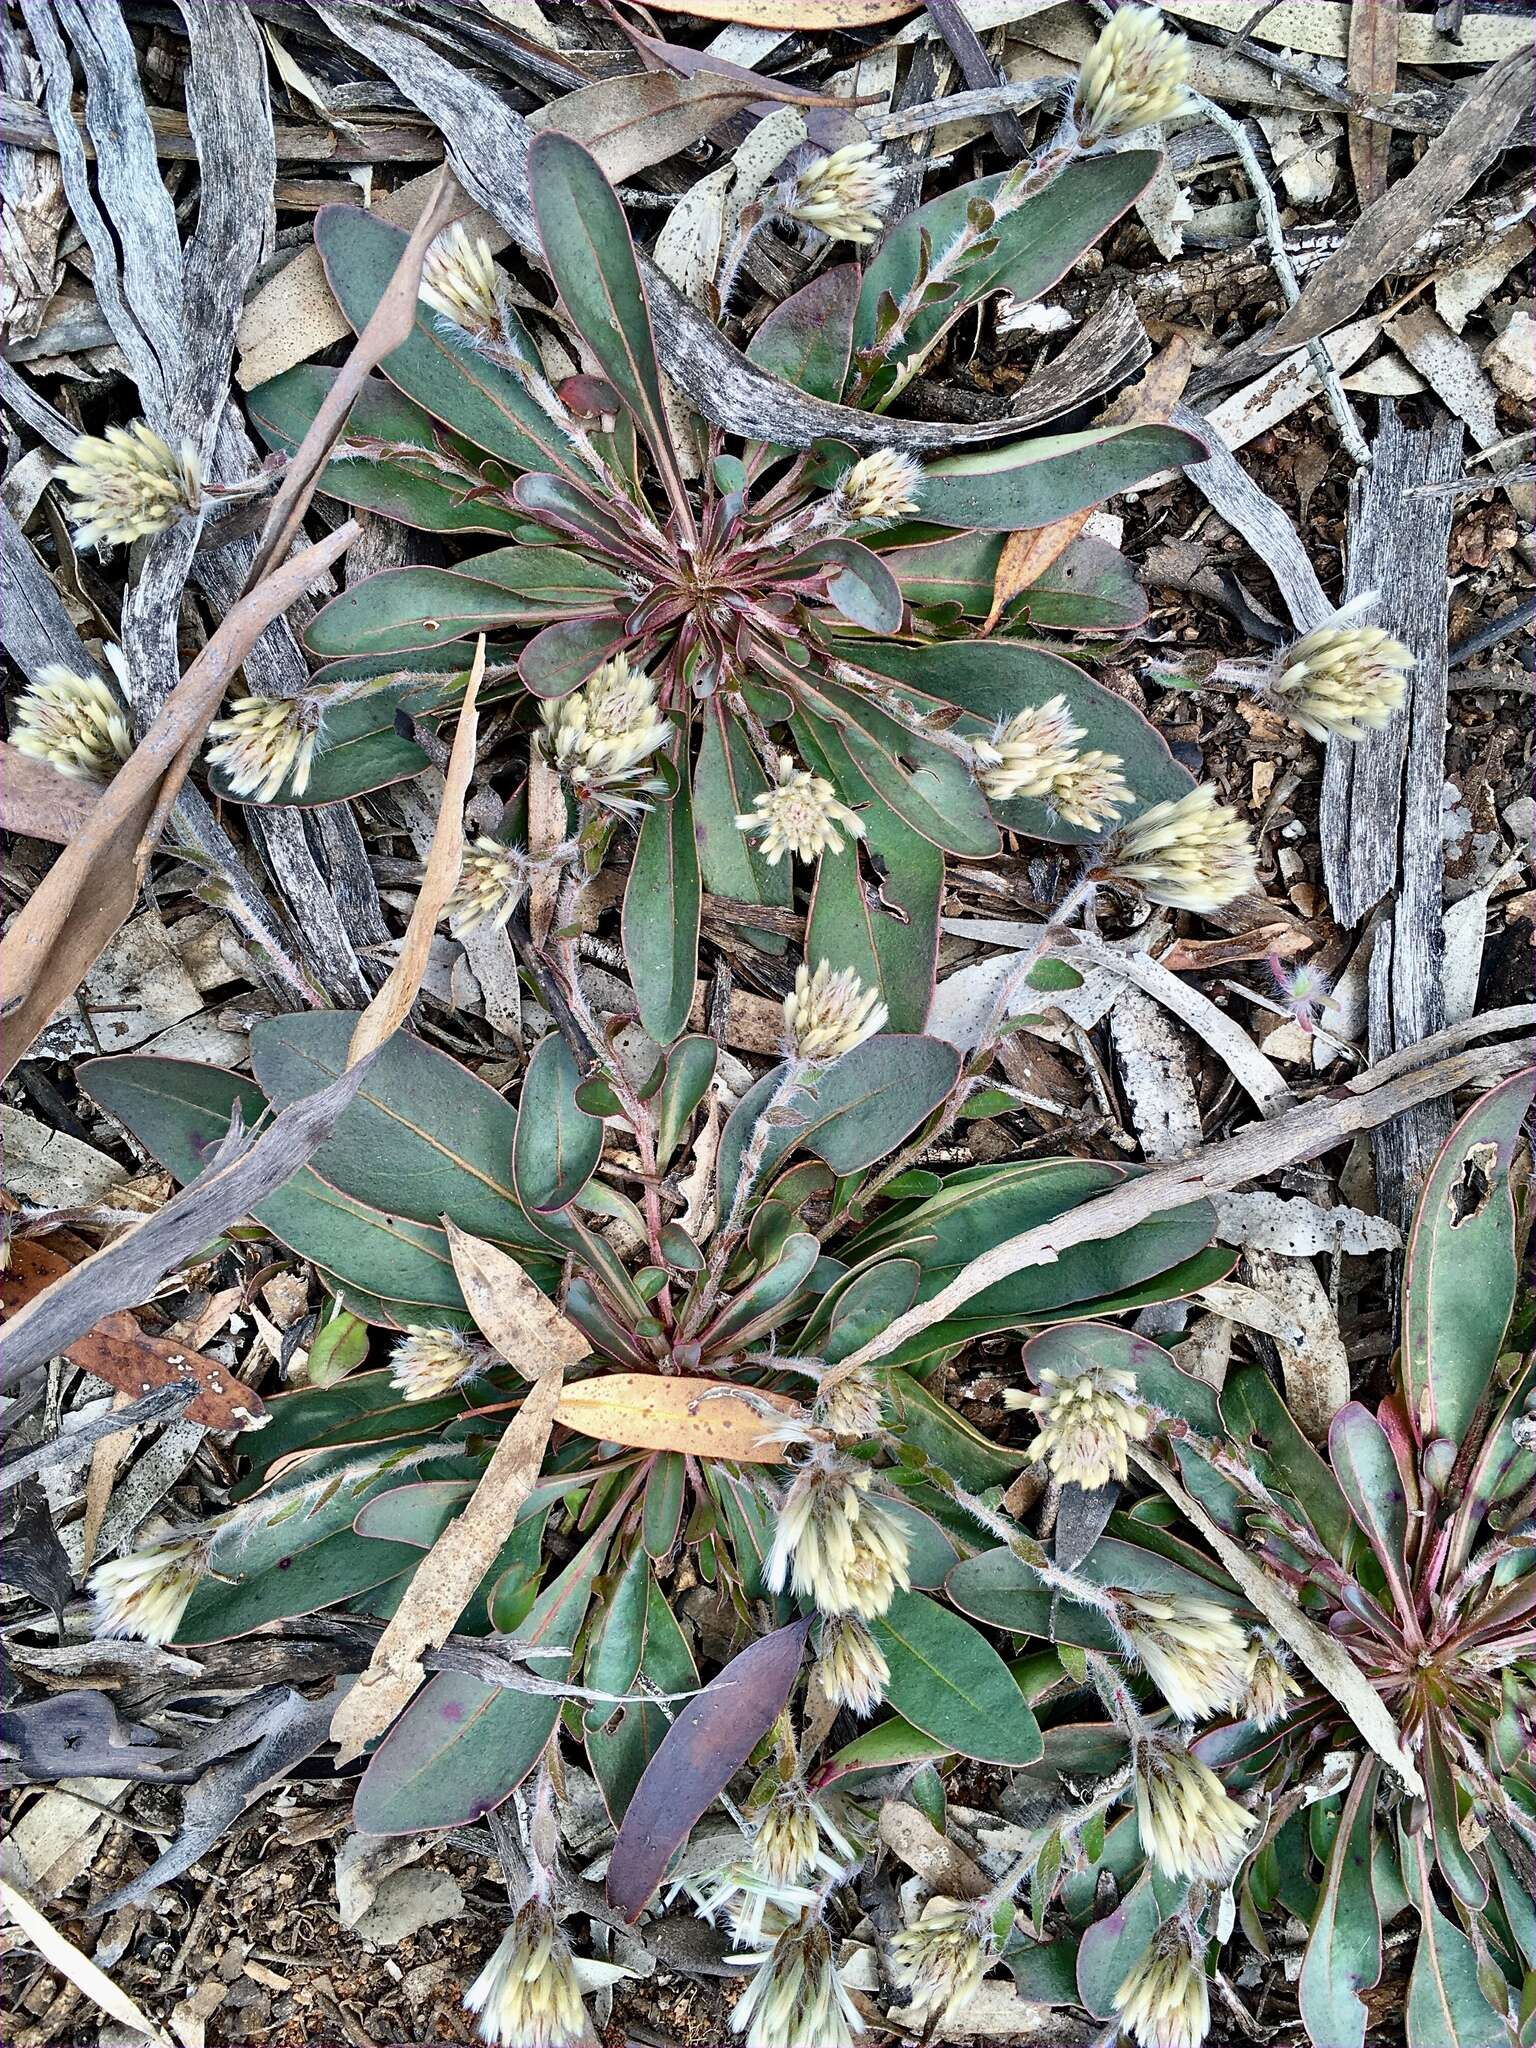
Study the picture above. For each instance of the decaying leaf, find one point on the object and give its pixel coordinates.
(656, 1412)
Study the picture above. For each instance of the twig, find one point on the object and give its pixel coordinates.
(159, 1406)
(1285, 271)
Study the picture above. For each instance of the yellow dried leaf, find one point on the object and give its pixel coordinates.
(656, 1412)
(523, 1324)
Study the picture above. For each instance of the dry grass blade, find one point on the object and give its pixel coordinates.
(392, 1005)
(89, 891)
(62, 1955)
(531, 1334)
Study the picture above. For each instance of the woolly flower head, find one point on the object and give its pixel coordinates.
(1090, 791)
(1028, 751)
(1194, 853)
(1270, 1685)
(851, 1666)
(835, 1545)
(265, 742)
(145, 1593)
(846, 194)
(1188, 1824)
(460, 282)
(827, 1014)
(601, 736)
(1136, 74)
(880, 488)
(787, 1849)
(527, 1995)
(426, 1363)
(799, 815)
(73, 722)
(1343, 680)
(1165, 2001)
(1194, 1650)
(851, 1404)
(129, 482)
(942, 1959)
(491, 878)
(796, 1998)
(1303, 990)
(1087, 1423)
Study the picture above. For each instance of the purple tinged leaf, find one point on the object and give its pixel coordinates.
(706, 1745)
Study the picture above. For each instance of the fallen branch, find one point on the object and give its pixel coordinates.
(1263, 1148)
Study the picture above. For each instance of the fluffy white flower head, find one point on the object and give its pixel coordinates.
(799, 815)
(73, 722)
(827, 1014)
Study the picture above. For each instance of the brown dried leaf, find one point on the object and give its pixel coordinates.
(546, 829)
(392, 1005)
(523, 1324)
(532, 1335)
(914, 1840)
(39, 802)
(1026, 556)
(1372, 69)
(799, 14)
(651, 1412)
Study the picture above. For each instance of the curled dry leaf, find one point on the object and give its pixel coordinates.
(710, 1418)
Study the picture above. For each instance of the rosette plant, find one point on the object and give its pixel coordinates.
(1319, 1665)
(705, 1416)
(805, 620)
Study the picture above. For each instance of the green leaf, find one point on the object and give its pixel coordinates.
(860, 1307)
(926, 785)
(1001, 1590)
(1112, 1946)
(340, 1344)
(664, 1490)
(557, 1145)
(399, 611)
(727, 780)
(1258, 1421)
(995, 678)
(1035, 482)
(622, 1740)
(875, 907)
(1446, 2007)
(318, 1575)
(763, 1304)
(1459, 1271)
(1035, 245)
(590, 256)
(561, 657)
(690, 1069)
(1366, 1469)
(862, 589)
(949, 1681)
(415, 490)
(806, 339)
(1090, 588)
(423, 1138)
(947, 1439)
(438, 365)
(862, 1107)
(661, 914)
(462, 1746)
(1343, 1955)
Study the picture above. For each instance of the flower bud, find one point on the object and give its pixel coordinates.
(851, 1665)
(73, 722)
(490, 885)
(1090, 791)
(1343, 680)
(1270, 1685)
(827, 1014)
(128, 483)
(428, 1362)
(1087, 1423)
(836, 1546)
(846, 194)
(1028, 751)
(853, 1403)
(527, 1995)
(265, 742)
(460, 282)
(880, 488)
(799, 815)
(942, 1959)
(145, 1593)
(796, 1998)
(1192, 854)
(1188, 1824)
(602, 736)
(1194, 1650)
(1165, 2001)
(1135, 75)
